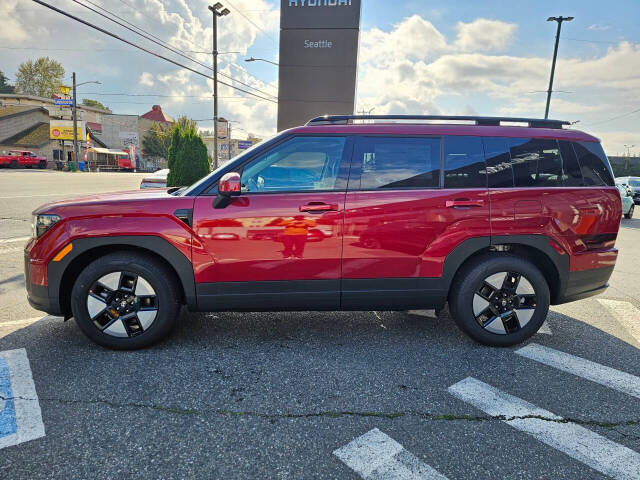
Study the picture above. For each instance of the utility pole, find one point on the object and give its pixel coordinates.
(627, 161)
(75, 123)
(559, 19)
(216, 12)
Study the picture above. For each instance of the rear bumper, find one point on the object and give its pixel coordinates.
(585, 283)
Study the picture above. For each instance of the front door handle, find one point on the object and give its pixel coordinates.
(319, 207)
(463, 203)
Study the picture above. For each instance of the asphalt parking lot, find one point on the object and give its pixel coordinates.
(371, 395)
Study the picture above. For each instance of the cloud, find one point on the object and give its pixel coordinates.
(483, 35)
(597, 27)
(146, 79)
(413, 68)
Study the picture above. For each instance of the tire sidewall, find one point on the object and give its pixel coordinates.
(168, 306)
(472, 278)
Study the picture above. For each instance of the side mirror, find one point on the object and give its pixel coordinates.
(228, 186)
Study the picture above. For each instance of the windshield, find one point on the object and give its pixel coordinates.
(634, 182)
(206, 178)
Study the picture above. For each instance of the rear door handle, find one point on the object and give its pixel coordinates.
(464, 203)
(318, 207)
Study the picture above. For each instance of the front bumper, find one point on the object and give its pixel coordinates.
(38, 295)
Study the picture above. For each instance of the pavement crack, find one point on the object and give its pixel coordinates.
(333, 413)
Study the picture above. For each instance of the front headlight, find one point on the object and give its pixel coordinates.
(42, 223)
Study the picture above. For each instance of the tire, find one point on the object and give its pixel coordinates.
(103, 307)
(629, 214)
(475, 301)
(13, 164)
(42, 165)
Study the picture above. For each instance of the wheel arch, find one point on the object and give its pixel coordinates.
(61, 275)
(537, 249)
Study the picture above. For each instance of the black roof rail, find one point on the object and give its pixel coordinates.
(491, 121)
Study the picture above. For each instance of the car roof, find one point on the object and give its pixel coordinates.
(445, 129)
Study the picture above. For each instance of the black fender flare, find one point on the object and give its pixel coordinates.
(541, 243)
(151, 243)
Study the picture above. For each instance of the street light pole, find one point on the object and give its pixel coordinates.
(559, 19)
(216, 13)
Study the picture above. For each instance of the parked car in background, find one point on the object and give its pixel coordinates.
(500, 221)
(627, 201)
(633, 186)
(22, 158)
(157, 179)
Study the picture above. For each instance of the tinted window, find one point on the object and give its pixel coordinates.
(572, 177)
(398, 162)
(299, 164)
(536, 162)
(594, 164)
(499, 171)
(464, 163)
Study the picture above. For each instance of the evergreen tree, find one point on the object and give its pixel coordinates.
(188, 160)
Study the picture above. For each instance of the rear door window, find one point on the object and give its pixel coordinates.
(594, 164)
(398, 162)
(536, 162)
(464, 165)
(499, 171)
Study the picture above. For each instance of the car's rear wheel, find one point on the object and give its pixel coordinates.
(629, 214)
(126, 301)
(499, 299)
(13, 164)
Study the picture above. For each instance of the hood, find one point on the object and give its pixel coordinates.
(99, 199)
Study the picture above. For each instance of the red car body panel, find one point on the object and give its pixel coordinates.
(146, 212)
(408, 233)
(268, 238)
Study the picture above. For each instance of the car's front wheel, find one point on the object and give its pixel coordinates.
(126, 301)
(499, 299)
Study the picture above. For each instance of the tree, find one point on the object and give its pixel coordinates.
(41, 77)
(4, 84)
(188, 160)
(185, 123)
(94, 103)
(157, 140)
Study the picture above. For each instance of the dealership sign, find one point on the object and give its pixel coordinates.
(318, 59)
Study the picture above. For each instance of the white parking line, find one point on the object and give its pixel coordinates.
(545, 329)
(377, 456)
(607, 376)
(20, 415)
(599, 453)
(626, 314)
(14, 240)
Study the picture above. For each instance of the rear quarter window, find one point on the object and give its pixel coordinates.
(594, 164)
(536, 162)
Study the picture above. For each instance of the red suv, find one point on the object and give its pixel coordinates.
(345, 213)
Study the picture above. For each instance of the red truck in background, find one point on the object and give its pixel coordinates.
(22, 158)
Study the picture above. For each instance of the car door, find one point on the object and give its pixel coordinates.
(405, 213)
(279, 244)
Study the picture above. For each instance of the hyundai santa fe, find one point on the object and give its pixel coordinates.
(499, 217)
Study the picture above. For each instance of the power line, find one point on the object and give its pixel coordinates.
(150, 95)
(159, 41)
(613, 118)
(251, 21)
(593, 41)
(106, 32)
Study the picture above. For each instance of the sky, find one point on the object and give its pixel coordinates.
(489, 57)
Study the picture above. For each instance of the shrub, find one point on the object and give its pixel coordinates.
(188, 160)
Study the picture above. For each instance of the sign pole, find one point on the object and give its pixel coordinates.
(75, 123)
